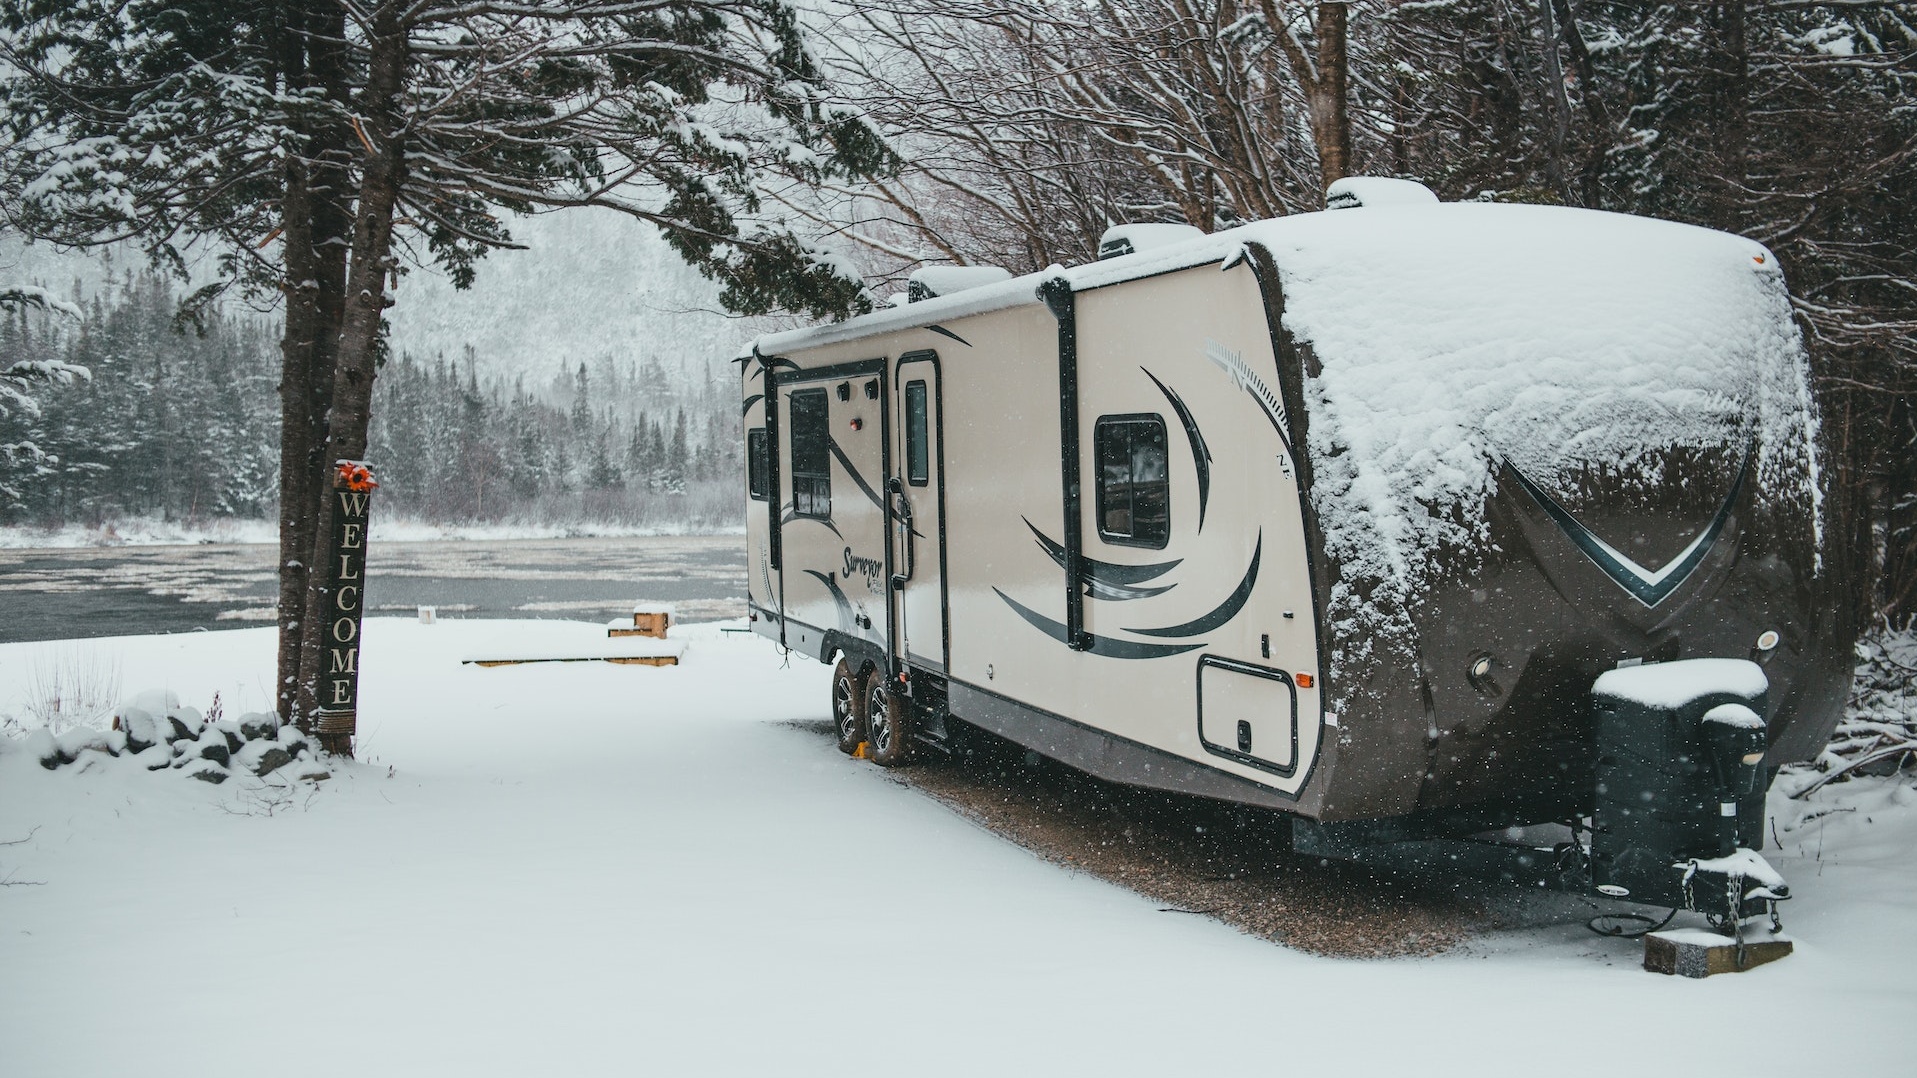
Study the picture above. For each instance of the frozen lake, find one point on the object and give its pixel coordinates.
(53, 594)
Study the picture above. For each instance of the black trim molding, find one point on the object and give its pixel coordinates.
(1109, 580)
(1221, 613)
(1647, 586)
(1104, 754)
(1106, 646)
(1200, 452)
(1056, 294)
(853, 369)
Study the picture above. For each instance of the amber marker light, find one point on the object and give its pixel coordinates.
(1304, 681)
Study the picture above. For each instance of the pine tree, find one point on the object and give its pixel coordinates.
(674, 480)
(581, 404)
(23, 460)
(602, 473)
(637, 465)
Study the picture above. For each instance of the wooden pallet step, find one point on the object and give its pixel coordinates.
(1698, 952)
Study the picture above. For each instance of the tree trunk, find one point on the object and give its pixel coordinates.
(1731, 131)
(1601, 133)
(381, 136)
(1327, 95)
(1324, 76)
(313, 229)
(296, 442)
(1899, 580)
(1550, 40)
(1850, 548)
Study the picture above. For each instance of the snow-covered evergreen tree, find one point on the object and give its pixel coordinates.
(674, 478)
(601, 472)
(25, 459)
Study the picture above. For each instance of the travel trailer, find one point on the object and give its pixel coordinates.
(1411, 520)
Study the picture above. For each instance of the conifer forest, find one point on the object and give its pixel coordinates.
(181, 422)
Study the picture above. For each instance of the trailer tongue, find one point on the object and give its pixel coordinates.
(1679, 809)
(1677, 804)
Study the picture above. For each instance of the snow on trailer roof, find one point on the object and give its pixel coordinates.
(1492, 287)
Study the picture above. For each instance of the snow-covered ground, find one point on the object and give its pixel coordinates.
(153, 532)
(586, 869)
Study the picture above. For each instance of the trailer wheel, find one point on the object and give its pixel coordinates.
(849, 705)
(889, 717)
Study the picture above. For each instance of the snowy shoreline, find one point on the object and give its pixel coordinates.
(144, 532)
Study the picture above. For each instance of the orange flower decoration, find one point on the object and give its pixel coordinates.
(354, 476)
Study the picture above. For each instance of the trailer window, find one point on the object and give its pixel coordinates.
(1134, 493)
(918, 470)
(811, 455)
(758, 463)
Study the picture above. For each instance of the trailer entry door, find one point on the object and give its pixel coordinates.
(917, 491)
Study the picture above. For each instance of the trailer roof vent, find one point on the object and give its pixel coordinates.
(1128, 239)
(1355, 191)
(934, 281)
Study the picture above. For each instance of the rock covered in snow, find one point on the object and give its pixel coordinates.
(229, 730)
(159, 733)
(143, 730)
(211, 745)
(291, 739)
(185, 722)
(261, 757)
(207, 771)
(156, 717)
(78, 740)
(45, 748)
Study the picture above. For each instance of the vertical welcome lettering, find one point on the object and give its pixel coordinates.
(339, 677)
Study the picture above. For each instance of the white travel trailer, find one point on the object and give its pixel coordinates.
(1341, 514)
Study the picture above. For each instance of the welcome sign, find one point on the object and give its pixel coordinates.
(339, 672)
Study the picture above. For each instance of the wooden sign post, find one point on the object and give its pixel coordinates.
(338, 717)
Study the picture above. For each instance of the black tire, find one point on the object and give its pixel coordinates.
(889, 724)
(849, 705)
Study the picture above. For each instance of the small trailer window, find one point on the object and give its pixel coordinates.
(811, 455)
(1134, 494)
(758, 463)
(917, 459)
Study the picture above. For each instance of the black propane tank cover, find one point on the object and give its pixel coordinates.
(1661, 781)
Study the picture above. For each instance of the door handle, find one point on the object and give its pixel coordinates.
(901, 511)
